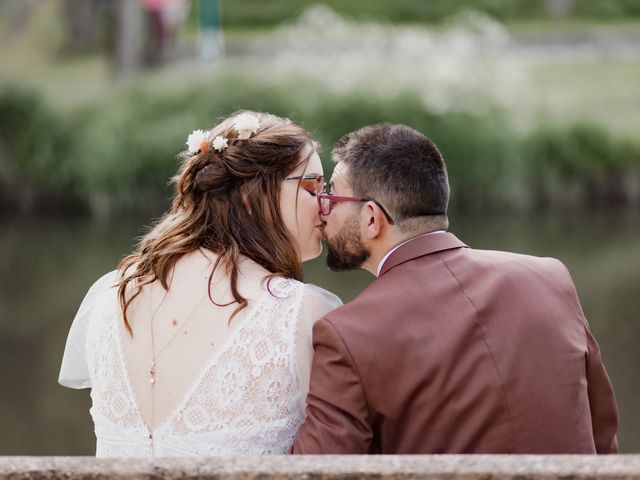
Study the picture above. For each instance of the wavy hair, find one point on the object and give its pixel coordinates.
(227, 202)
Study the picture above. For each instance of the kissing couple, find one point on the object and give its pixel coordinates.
(206, 341)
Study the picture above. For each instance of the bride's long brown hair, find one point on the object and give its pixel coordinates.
(227, 202)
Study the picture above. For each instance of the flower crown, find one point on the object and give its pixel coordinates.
(245, 124)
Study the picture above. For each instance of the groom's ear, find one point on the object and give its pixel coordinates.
(375, 220)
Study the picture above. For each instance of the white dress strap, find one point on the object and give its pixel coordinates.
(74, 372)
(316, 303)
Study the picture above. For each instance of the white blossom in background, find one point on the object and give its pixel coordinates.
(465, 65)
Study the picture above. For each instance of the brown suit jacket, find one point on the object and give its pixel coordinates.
(455, 350)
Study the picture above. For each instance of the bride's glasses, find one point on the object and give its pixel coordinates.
(312, 183)
(326, 201)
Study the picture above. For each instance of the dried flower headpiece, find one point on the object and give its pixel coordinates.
(197, 141)
(220, 143)
(245, 124)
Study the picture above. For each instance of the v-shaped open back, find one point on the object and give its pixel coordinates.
(243, 400)
(186, 396)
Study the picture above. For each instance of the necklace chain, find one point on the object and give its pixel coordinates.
(155, 355)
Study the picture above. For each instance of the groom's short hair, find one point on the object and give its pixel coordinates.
(399, 167)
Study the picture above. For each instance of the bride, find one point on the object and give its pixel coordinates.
(200, 342)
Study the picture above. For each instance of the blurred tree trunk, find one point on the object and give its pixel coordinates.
(558, 8)
(15, 15)
(84, 25)
(129, 36)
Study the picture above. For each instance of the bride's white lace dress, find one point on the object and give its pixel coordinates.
(247, 399)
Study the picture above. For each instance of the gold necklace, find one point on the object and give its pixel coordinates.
(154, 354)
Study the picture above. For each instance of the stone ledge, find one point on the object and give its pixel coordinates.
(379, 467)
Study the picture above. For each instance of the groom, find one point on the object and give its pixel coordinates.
(450, 349)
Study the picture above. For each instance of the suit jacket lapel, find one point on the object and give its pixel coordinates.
(420, 246)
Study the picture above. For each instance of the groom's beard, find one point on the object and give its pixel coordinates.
(345, 250)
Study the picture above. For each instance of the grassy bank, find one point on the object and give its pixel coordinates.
(260, 13)
(117, 156)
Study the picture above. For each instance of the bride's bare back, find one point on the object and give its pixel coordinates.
(187, 329)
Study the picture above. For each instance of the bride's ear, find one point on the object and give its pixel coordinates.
(375, 220)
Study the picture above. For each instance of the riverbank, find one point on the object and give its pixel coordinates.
(117, 155)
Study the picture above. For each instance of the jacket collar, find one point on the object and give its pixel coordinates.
(420, 246)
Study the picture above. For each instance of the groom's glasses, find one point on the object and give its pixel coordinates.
(326, 201)
(312, 183)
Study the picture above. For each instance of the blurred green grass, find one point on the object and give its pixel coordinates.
(604, 91)
(260, 12)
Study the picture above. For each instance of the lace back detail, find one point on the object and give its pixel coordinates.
(245, 401)
(114, 410)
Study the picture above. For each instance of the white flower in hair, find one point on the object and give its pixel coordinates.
(220, 143)
(246, 124)
(194, 141)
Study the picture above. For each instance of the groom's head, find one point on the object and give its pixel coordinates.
(397, 181)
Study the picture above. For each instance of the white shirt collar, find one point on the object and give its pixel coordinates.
(399, 245)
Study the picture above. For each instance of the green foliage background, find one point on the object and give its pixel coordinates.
(253, 13)
(118, 155)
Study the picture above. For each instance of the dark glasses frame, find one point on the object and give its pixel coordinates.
(311, 176)
(337, 198)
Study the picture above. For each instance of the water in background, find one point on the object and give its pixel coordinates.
(46, 266)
